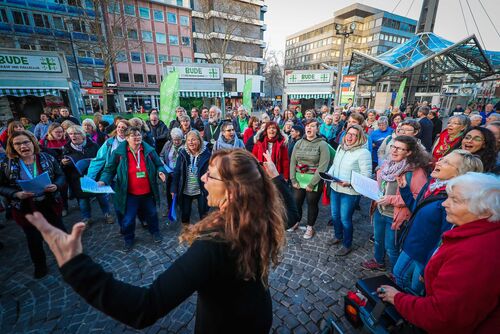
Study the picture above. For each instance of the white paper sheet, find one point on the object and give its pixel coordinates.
(90, 186)
(365, 186)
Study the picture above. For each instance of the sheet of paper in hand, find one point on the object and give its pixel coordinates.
(365, 186)
(36, 185)
(90, 186)
(80, 165)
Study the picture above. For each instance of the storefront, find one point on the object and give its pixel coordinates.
(200, 84)
(308, 89)
(33, 81)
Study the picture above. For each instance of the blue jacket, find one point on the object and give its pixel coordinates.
(102, 157)
(427, 225)
(377, 137)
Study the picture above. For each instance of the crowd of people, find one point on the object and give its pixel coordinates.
(416, 162)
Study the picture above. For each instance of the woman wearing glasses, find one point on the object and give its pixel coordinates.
(482, 142)
(451, 137)
(409, 127)
(407, 160)
(228, 138)
(24, 162)
(187, 185)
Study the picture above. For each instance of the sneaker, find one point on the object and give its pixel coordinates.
(64, 213)
(109, 219)
(373, 265)
(40, 272)
(293, 228)
(127, 246)
(309, 233)
(343, 251)
(157, 237)
(333, 242)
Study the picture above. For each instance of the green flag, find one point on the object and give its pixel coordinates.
(399, 97)
(247, 95)
(169, 97)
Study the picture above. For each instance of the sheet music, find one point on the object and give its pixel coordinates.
(90, 186)
(365, 186)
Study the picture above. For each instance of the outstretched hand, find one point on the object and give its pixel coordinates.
(64, 246)
(269, 166)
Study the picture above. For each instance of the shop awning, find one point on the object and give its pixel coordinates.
(29, 91)
(311, 95)
(203, 94)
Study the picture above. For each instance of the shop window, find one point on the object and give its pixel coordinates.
(138, 78)
(184, 21)
(161, 38)
(150, 58)
(121, 56)
(172, 18)
(124, 77)
(26, 45)
(20, 18)
(59, 23)
(41, 20)
(152, 79)
(129, 10)
(135, 57)
(230, 85)
(186, 41)
(144, 13)
(158, 15)
(132, 34)
(175, 59)
(173, 39)
(162, 59)
(147, 36)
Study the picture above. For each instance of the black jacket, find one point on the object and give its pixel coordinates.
(72, 174)
(181, 169)
(69, 118)
(425, 134)
(160, 133)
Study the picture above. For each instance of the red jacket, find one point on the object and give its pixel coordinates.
(462, 282)
(279, 155)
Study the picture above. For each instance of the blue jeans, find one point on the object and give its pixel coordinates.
(385, 239)
(342, 206)
(102, 199)
(407, 272)
(144, 204)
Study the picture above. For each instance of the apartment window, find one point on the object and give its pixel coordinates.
(138, 78)
(172, 18)
(144, 13)
(135, 57)
(76, 3)
(230, 85)
(114, 8)
(78, 25)
(187, 60)
(158, 15)
(20, 18)
(173, 39)
(3, 15)
(117, 32)
(152, 78)
(186, 41)
(150, 58)
(41, 20)
(58, 23)
(147, 36)
(132, 34)
(84, 53)
(121, 57)
(129, 9)
(124, 77)
(162, 58)
(175, 59)
(47, 48)
(179, 3)
(184, 20)
(161, 38)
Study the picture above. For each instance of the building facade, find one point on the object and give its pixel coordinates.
(231, 32)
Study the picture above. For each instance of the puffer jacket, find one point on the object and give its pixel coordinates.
(345, 162)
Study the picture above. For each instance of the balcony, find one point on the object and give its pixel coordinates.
(263, 8)
(263, 27)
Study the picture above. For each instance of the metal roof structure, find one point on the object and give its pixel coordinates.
(437, 56)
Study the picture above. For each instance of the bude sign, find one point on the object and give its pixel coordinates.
(196, 72)
(24, 63)
(304, 78)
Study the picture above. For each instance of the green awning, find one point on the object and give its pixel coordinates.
(29, 91)
(200, 93)
(311, 95)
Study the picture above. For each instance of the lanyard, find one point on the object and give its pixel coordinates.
(137, 157)
(27, 171)
(213, 131)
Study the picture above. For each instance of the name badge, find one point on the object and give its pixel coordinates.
(140, 175)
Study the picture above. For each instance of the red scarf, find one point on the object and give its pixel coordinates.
(276, 146)
(445, 144)
(436, 191)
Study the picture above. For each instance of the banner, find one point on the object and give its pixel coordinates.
(399, 97)
(347, 89)
(169, 97)
(247, 95)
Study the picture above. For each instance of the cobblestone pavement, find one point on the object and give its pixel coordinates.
(307, 286)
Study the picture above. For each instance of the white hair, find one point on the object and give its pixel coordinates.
(482, 191)
(476, 116)
(89, 121)
(176, 133)
(217, 110)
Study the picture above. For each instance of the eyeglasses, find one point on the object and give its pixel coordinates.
(229, 130)
(477, 139)
(25, 143)
(74, 134)
(348, 134)
(406, 130)
(398, 149)
(213, 178)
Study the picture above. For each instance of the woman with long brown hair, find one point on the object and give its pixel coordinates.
(227, 262)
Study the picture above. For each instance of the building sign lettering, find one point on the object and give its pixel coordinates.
(305, 78)
(196, 72)
(22, 63)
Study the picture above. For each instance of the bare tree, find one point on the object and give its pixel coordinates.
(273, 72)
(109, 28)
(223, 29)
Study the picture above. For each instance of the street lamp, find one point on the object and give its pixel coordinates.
(345, 31)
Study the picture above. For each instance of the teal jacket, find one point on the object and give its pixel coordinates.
(118, 165)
